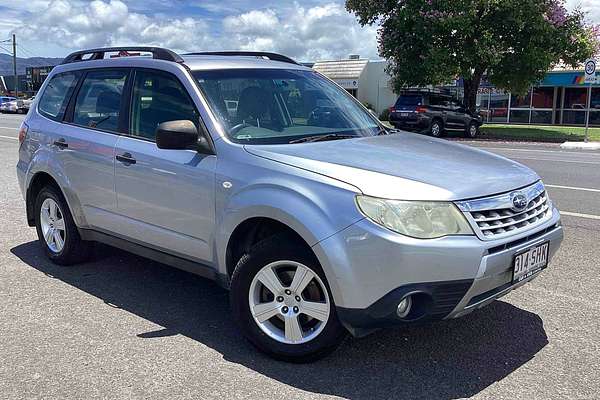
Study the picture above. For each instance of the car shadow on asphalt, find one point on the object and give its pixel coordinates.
(446, 360)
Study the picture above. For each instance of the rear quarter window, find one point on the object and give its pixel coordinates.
(55, 98)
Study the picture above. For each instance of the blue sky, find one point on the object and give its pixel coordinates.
(306, 30)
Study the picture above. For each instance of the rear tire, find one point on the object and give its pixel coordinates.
(270, 314)
(437, 128)
(57, 232)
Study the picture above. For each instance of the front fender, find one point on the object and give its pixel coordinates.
(315, 213)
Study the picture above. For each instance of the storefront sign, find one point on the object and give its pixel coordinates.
(347, 83)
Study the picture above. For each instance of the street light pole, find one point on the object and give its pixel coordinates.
(14, 43)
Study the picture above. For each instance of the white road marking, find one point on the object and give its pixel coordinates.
(539, 151)
(555, 160)
(8, 137)
(580, 215)
(9, 127)
(574, 188)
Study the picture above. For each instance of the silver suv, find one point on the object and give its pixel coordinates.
(262, 174)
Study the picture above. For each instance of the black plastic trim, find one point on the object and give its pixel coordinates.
(160, 256)
(158, 53)
(444, 297)
(263, 54)
(515, 243)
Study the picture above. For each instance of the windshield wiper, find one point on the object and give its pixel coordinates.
(322, 138)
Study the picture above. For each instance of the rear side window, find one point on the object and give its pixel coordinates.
(409, 101)
(158, 97)
(55, 98)
(98, 103)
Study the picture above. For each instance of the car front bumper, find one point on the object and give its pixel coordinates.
(371, 269)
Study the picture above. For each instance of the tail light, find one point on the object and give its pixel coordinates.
(23, 132)
(421, 109)
(392, 109)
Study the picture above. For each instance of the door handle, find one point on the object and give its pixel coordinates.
(126, 158)
(61, 143)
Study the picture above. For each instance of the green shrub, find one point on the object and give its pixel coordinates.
(385, 115)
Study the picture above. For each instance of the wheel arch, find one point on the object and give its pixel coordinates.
(39, 180)
(253, 230)
(269, 209)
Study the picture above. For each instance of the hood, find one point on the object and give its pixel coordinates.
(405, 166)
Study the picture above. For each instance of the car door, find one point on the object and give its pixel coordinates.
(455, 115)
(84, 143)
(165, 198)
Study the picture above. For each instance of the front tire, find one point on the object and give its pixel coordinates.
(282, 302)
(57, 232)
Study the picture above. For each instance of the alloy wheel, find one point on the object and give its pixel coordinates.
(53, 225)
(473, 130)
(289, 302)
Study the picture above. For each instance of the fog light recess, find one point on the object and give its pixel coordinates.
(404, 307)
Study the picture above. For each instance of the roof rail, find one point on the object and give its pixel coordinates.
(260, 54)
(98, 54)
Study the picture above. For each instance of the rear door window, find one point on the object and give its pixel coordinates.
(55, 98)
(98, 103)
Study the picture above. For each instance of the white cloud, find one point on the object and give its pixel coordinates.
(313, 33)
(108, 23)
(591, 7)
(304, 32)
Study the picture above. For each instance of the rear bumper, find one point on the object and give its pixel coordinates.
(453, 275)
(416, 123)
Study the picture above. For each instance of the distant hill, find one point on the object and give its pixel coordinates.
(6, 63)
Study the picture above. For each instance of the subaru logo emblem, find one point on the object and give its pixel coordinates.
(519, 201)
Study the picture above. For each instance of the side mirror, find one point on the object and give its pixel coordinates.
(181, 135)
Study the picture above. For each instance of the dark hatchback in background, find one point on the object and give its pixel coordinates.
(434, 113)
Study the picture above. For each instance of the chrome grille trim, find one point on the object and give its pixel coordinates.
(495, 218)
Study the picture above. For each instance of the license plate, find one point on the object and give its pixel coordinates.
(530, 261)
(404, 114)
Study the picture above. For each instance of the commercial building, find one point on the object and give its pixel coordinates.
(364, 79)
(561, 98)
(36, 76)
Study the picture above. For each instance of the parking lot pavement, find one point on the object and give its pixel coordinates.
(122, 326)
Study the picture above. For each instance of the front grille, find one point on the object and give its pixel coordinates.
(495, 218)
(502, 220)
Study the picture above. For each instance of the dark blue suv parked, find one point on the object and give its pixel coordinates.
(433, 113)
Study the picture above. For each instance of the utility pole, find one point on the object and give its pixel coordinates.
(15, 65)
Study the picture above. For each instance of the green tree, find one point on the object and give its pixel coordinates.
(513, 42)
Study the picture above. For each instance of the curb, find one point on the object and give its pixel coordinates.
(580, 145)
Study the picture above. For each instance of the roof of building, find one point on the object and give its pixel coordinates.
(341, 69)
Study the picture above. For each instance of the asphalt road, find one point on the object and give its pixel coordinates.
(122, 326)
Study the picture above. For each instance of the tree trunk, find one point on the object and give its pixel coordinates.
(471, 87)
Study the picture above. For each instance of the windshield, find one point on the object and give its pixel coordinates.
(271, 106)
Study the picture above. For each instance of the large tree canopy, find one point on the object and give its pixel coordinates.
(513, 42)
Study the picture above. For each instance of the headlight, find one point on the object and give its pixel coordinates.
(418, 219)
